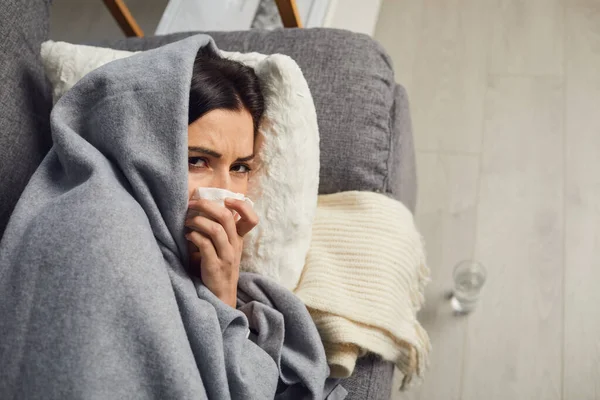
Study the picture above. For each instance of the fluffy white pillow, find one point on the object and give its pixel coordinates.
(284, 189)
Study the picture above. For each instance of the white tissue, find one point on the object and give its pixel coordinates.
(218, 196)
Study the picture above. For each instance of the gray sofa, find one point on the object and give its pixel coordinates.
(364, 122)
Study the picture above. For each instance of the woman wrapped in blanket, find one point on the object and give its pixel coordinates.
(108, 288)
(226, 105)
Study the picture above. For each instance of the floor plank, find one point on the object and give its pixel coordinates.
(582, 297)
(446, 219)
(528, 37)
(514, 340)
(398, 30)
(447, 85)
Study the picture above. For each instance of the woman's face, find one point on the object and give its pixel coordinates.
(220, 150)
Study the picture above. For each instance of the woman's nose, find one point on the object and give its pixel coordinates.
(221, 180)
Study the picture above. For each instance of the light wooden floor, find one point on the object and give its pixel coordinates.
(505, 99)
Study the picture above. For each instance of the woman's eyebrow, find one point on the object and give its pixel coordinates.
(247, 158)
(204, 150)
(214, 154)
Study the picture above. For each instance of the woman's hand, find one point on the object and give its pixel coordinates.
(219, 239)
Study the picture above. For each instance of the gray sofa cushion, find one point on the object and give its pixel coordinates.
(366, 142)
(25, 98)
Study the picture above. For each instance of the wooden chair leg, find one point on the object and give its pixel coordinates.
(289, 13)
(121, 14)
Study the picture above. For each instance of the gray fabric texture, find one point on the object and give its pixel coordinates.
(363, 120)
(372, 379)
(25, 98)
(96, 302)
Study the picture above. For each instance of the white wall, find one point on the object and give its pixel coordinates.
(353, 15)
(207, 15)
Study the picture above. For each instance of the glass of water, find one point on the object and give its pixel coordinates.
(469, 277)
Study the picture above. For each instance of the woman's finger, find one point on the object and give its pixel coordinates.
(248, 218)
(217, 213)
(212, 230)
(204, 245)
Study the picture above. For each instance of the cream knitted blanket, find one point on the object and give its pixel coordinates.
(363, 282)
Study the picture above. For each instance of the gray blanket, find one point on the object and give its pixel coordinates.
(94, 299)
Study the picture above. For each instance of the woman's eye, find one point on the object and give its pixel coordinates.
(241, 168)
(197, 162)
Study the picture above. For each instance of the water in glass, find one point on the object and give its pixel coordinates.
(469, 277)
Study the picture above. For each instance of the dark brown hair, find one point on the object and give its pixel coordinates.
(218, 82)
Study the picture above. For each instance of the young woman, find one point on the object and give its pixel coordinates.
(107, 290)
(226, 105)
